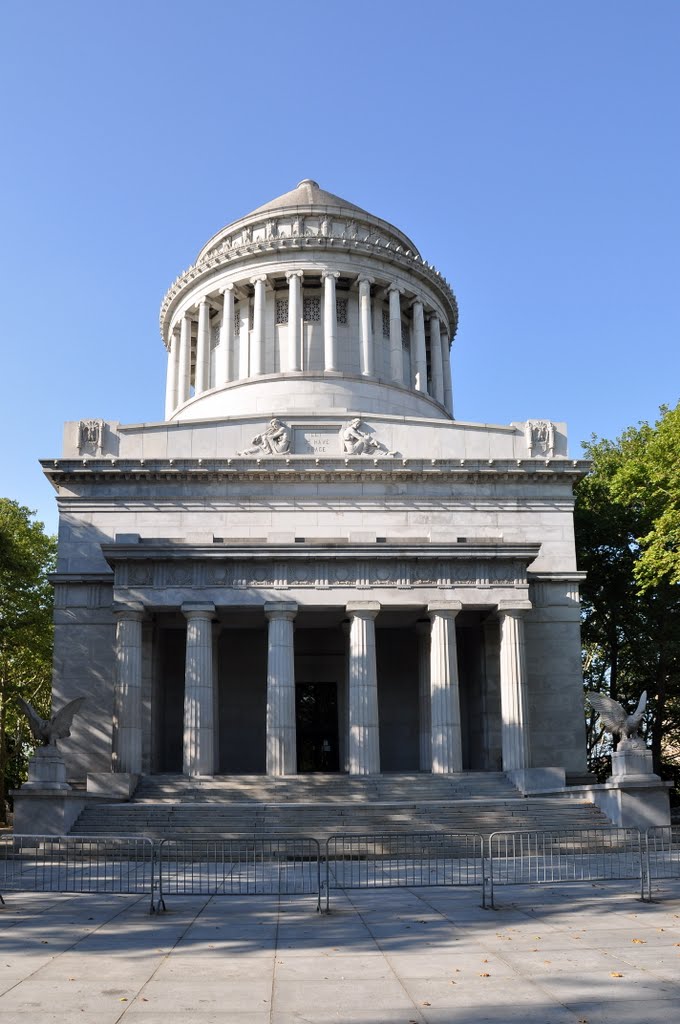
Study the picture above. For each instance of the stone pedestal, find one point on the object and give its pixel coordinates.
(46, 812)
(46, 770)
(632, 763)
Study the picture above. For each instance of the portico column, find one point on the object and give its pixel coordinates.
(436, 360)
(396, 352)
(330, 321)
(281, 743)
(446, 366)
(199, 701)
(225, 351)
(184, 373)
(364, 746)
(202, 377)
(424, 716)
(514, 710)
(447, 750)
(365, 329)
(172, 375)
(127, 734)
(294, 360)
(419, 353)
(257, 349)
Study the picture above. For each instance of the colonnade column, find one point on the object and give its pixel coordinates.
(257, 350)
(202, 375)
(225, 352)
(294, 320)
(396, 352)
(423, 628)
(127, 703)
(281, 743)
(365, 327)
(514, 709)
(184, 371)
(446, 367)
(199, 698)
(436, 360)
(447, 747)
(364, 745)
(419, 353)
(330, 321)
(172, 375)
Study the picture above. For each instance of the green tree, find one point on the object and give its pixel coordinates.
(625, 514)
(27, 556)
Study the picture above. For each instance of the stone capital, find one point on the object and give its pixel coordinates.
(394, 288)
(294, 273)
(133, 610)
(447, 608)
(363, 609)
(510, 607)
(334, 274)
(280, 610)
(258, 278)
(364, 279)
(227, 288)
(198, 610)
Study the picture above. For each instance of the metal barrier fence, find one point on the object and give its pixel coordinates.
(77, 864)
(404, 859)
(247, 865)
(566, 855)
(662, 853)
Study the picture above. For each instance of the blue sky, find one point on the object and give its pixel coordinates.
(529, 148)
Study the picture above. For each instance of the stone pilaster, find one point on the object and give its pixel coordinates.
(225, 353)
(514, 709)
(294, 361)
(364, 740)
(447, 748)
(424, 712)
(127, 732)
(199, 701)
(419, 352)
(365, 327)
(257, 342)
(330, 321)
(281, 740)
(184, 372)
(396, 351)
(172, 374)
(202, 375)
(436, 360)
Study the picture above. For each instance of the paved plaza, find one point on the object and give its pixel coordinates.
(566, 954)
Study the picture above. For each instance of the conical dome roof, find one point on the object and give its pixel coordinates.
(309, 194)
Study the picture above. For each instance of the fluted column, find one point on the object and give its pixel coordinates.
(294, 319)
(202, 375)
(424, 712)
(172, 374)
(365, 328)
(396, 351)
(447, 749)
(419, 353)
(281, 743)
(364, 740)
(199, 700)
(257, 345)
(184, 372)
(446, 365)
(330, 321)
(514, 709)
(225, 351)
(436, 360)
(127, 732)
(343, 700)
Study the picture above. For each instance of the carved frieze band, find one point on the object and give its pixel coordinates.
(320, 573)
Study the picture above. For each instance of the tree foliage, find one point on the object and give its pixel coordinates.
(27, 556)
(627, 533)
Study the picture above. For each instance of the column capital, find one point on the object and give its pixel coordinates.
(365, 279)
(416, 302)
(198, 610)
(367, 609)
(227, 288)
(510, 607)
(258, 278)
(334, 274)
(394, 288)
(431, 315)
(203, 301)
(134, 610)
(294, 273)
(448, 608)
(280, 610)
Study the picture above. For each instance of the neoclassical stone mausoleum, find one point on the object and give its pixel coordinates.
(309, 564)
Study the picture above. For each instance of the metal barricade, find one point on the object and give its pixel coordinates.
(95, 864)
(242, 865)
(662, 854)
(404, 859)
(566, 855)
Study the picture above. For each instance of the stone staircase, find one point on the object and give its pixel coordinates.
(167, 806)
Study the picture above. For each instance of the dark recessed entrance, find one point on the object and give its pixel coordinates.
(316, 708)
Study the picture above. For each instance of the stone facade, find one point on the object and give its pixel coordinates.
(310, 564)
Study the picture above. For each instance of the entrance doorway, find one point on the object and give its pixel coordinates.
(316, 724)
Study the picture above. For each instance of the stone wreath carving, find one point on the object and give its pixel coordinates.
(275, 440)
(354, 441)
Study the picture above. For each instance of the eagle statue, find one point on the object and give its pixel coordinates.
(617, 720)
(48, 730)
